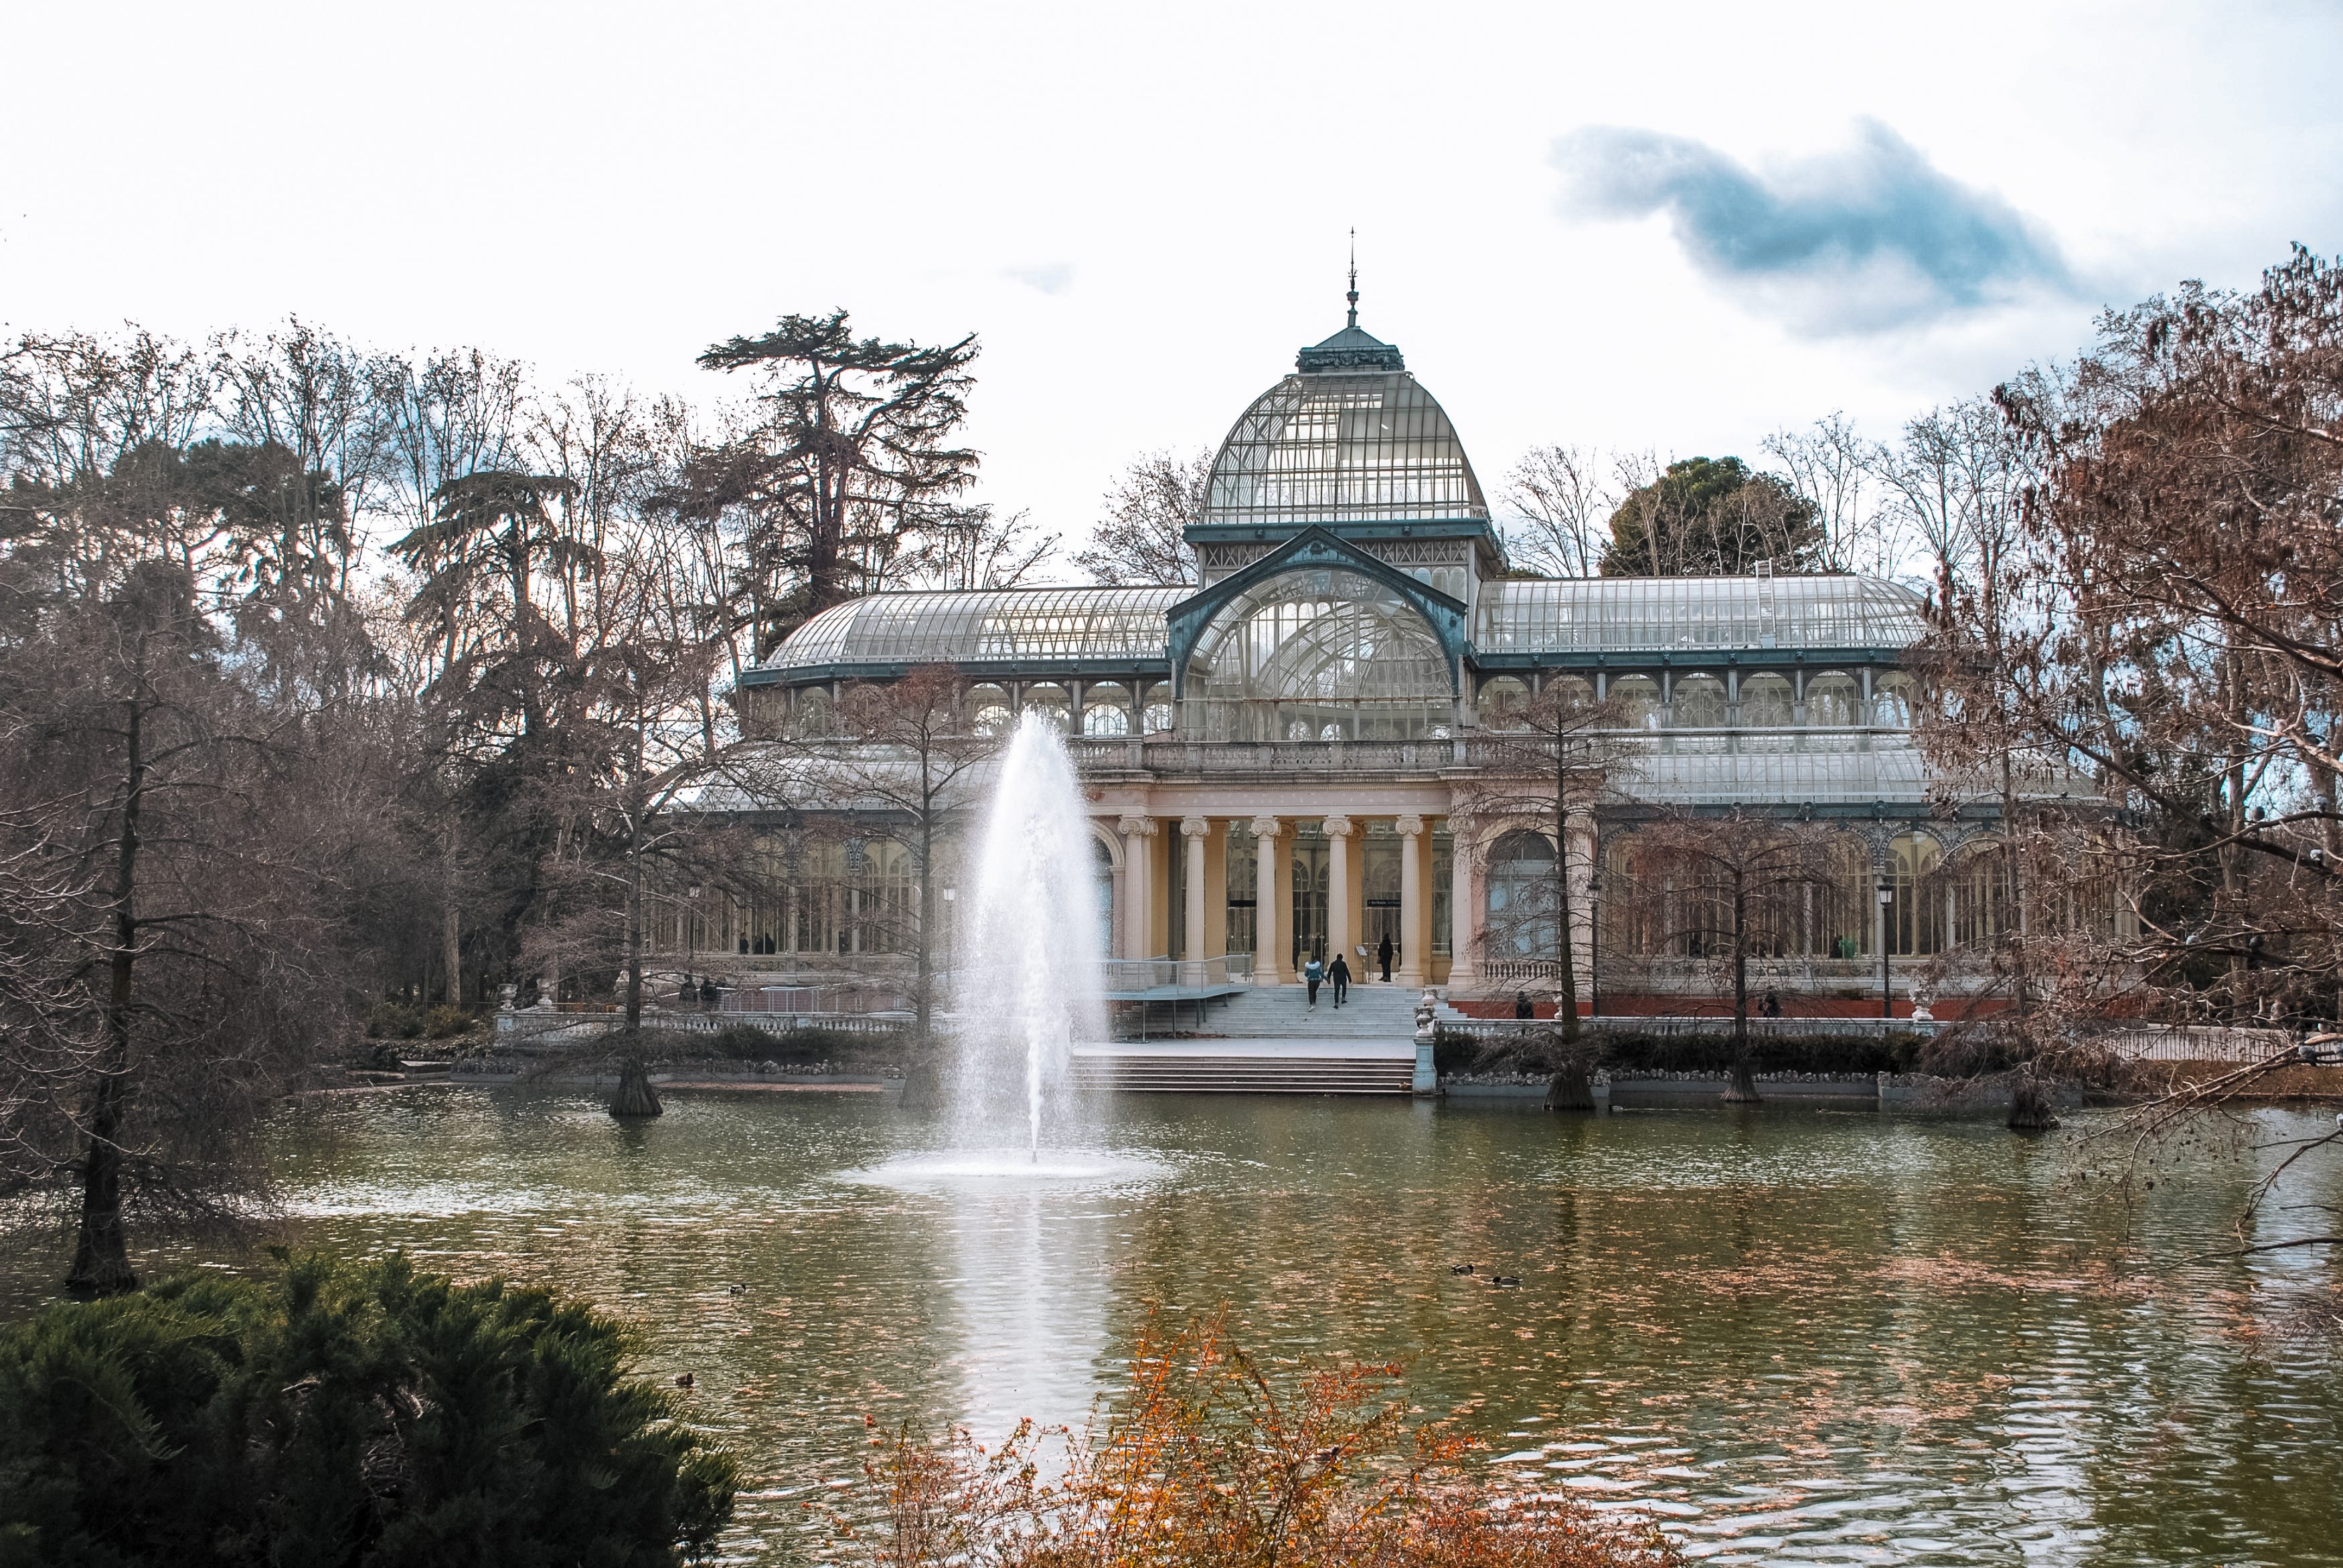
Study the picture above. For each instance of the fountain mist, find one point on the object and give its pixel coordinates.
(1028, 985)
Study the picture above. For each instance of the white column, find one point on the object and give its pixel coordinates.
(1194, 829)
(1269, 858)
(1412, 923)
(1136, 903)
(1463, 950)
(1338, 936)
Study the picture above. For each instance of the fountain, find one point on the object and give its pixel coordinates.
(1028, 986)
(1025, 989)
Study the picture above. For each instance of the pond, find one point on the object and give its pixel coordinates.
(1785, 1336)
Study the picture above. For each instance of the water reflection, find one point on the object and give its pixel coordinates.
(1029, 1235)
(1783, 1336)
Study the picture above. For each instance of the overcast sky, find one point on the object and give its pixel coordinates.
(1673, 227)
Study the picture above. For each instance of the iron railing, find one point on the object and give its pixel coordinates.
(1125, 975)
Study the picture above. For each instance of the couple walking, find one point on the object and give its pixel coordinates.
(1315, 974)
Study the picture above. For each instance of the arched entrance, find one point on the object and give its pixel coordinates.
(1311, 866)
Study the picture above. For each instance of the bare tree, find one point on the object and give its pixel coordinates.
(979, 547)
(1140, 538)
(1725, 888)
(1829, 465)
(1561, 503)
(906, 752)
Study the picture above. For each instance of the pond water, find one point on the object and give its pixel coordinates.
(1785, 1336)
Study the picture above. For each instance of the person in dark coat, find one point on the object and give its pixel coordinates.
(1339, 972)
(1383, 956)
(1771, 1006)
(1521, 1008)
(708, 992)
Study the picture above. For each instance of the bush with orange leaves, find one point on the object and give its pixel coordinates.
(1200, 1462)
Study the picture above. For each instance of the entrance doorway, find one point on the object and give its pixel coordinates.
(1309, 869)
(1381, 853)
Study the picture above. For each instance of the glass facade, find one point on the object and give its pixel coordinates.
(1318, 655)
(986, 626)
(1516, 616)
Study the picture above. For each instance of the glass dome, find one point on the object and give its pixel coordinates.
(1330, 447)
(1318, 655)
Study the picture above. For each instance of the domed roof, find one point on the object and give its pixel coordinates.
(1349, 438)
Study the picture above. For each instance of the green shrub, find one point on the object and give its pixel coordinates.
(1624, 1052)
(747, 1042)
(445, 1022)
(395, 1020)
(343, 1414)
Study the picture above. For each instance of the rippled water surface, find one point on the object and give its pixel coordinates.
(1785, 1336)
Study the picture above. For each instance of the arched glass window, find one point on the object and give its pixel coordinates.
(1102, 892)
(1832, 701)
(1699, 702)
(1637, 699)
(1106, 711)
(1765, 702)
(988, 707)
(1050, 702)
(1156, 714)
(1521, 904)
(1916, 915)
(1569, 694)
(1324, 653)
(1503, 697)
(1980, 884)
(1892, 701)
(811, 713)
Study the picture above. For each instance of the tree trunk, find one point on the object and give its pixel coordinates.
(636, 1098)
(453, 961)
(1572, 1087)
(1742, 1089)
(1566, 988)
(923, 982)
(101, 1265)
(2030, 1107)
(635, 922)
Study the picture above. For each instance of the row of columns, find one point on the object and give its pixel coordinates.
(1271, 944)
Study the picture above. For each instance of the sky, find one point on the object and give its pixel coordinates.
(1671, 228)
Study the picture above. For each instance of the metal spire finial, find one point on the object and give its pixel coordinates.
(1354, 296)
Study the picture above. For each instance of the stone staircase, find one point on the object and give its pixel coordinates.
(1272, 1043)
(1282, 1012)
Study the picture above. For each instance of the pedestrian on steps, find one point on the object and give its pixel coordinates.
(1384, 956)
(1312, 973)
(1341, 975)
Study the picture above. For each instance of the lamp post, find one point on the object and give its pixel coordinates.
(1886, 995)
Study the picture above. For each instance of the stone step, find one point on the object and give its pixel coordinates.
(1200, 1074)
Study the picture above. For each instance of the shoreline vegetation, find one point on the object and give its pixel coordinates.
(1206, 1457)
(328, 1410)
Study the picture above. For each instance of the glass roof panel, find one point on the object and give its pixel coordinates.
(1342, 448)
(1624, 614)
(1003, 625)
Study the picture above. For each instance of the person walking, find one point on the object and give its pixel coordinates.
(1771, 1006)
(1312, 973)
(1384, 956)
(1521, 1008)
(1341, 975)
